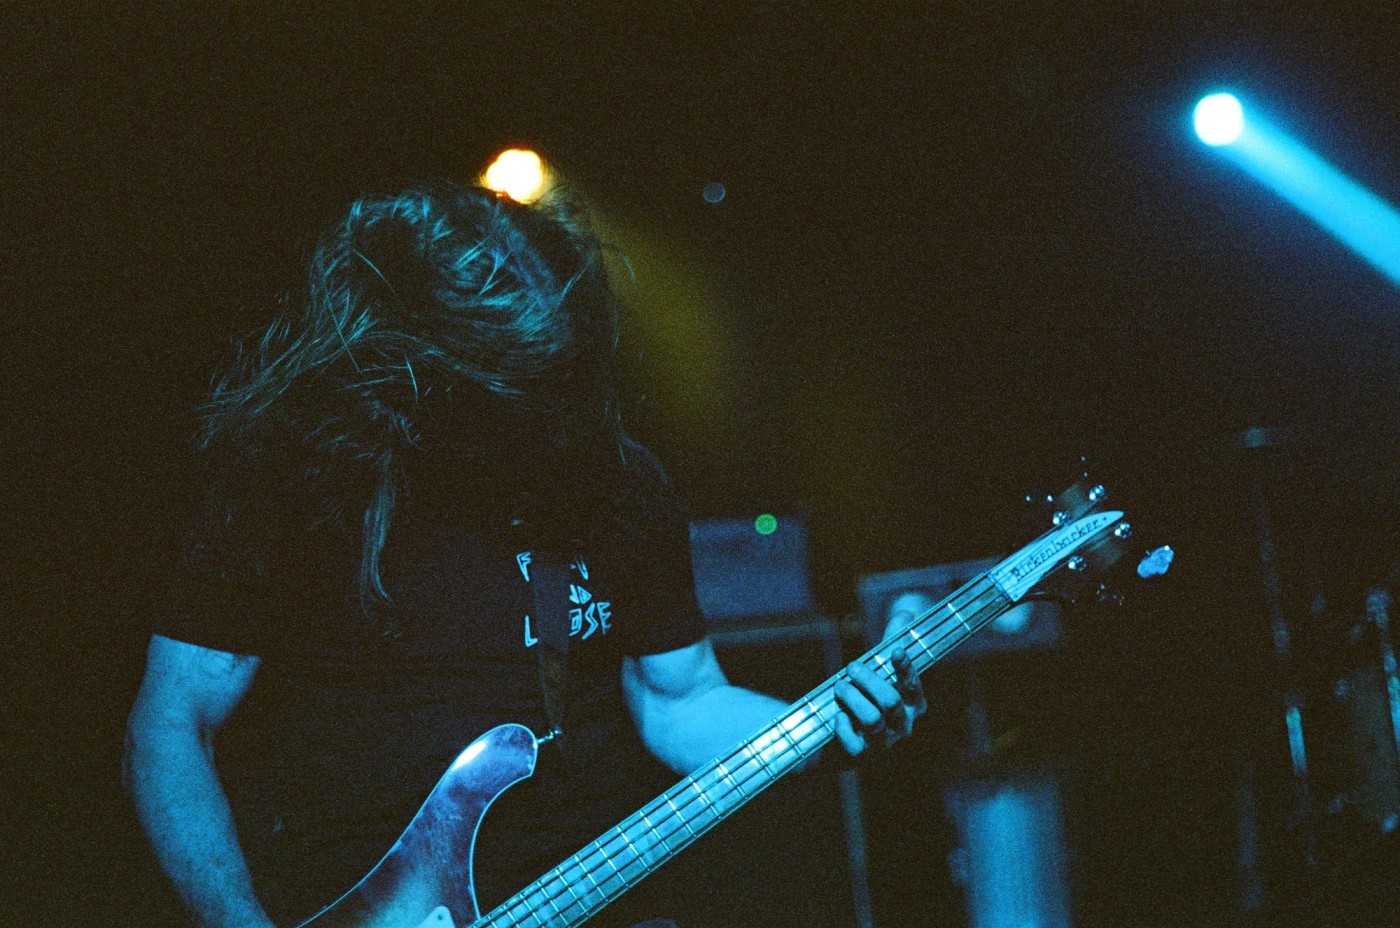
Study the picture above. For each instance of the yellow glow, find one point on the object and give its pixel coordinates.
(518, 173)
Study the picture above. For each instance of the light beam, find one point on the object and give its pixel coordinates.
(1354, 215)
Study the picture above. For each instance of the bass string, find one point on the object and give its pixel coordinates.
(585, 864)
(599, 854)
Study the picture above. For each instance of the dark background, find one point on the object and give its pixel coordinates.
(961, 244)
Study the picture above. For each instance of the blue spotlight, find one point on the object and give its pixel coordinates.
(1219, 119)
(1358, 218)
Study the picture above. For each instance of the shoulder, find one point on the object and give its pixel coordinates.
(649, 499)
(193, 683)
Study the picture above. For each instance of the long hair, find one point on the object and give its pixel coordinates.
(440, 319)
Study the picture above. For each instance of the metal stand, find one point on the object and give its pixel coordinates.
(1288, 693)
(1012, 857)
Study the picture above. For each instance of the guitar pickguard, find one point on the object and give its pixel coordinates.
(441, 917)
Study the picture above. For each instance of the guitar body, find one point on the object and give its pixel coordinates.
(426, 878)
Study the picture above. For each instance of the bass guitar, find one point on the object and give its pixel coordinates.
(425, 881)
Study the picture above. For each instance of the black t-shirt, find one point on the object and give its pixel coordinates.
(346, 729)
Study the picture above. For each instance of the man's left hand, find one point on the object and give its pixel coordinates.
(874, 707)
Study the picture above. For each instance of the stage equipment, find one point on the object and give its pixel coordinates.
(519, 173)
(1356, 217)
(1358, 732)
(752, 570)
(1262, 456)
(1012, 858)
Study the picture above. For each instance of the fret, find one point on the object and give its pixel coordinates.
(622, 833)
(526, 911)
(958, 615)
(569, 888)
(919, 640)
(808, 721)
(549, 900)
(885, 666)
(660, 838)
(816, 713)
(685, 820)
(608, 858)
(586, 872)
(784, 729)
(757, 755)
(634, 870)
(769, 741)
(638, 856)
(762, 741)
(598, 891)
(729, 777)
(709, 806)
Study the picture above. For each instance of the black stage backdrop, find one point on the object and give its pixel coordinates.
(959, 245)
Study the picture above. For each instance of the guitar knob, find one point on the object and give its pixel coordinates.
(1059, 518)
(1098, 494)
(1076, 563)
(1123, 530)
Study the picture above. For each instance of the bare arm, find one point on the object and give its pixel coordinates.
(688, 712)
(187, 693)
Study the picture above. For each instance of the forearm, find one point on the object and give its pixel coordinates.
(184, 811)
(688, 733)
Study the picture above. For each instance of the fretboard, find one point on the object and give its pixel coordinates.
(607, 867)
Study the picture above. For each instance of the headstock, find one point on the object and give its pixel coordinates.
(1084, 536)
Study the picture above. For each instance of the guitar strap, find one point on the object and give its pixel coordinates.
(549, 582)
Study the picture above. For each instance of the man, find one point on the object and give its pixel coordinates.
(397, 470)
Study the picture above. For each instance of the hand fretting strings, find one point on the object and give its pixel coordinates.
(710, 794)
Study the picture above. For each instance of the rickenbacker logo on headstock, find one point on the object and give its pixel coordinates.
(1017, 574)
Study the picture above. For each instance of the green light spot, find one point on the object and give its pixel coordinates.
(765, 524)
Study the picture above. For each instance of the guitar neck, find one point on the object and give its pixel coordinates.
(607, 867)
